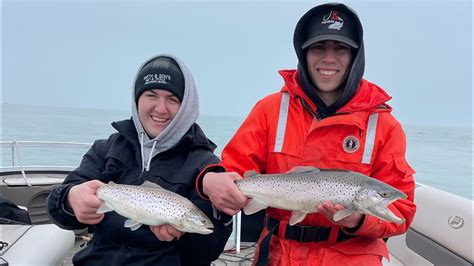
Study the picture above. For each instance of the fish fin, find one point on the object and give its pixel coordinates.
(132, 224)
(343, 214)
(254, 206)
(111, 183)
(296, 217)
(151, 185)
(104, 208)
(250, 173)
(341, 170)
(302, 169)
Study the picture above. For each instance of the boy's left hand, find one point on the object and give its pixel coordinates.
(166, 232)
(327, 209)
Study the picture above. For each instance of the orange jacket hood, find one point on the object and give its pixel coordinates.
(368, 96)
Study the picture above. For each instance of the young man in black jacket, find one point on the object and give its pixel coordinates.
(162, 144)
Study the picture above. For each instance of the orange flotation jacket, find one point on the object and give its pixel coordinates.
(282, 132)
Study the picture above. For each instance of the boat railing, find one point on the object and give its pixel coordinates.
(15, 147)
(17, 163)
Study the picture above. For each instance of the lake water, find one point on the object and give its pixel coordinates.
(441, 156)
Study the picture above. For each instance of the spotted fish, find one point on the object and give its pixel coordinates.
(151, 204)
(305, 188)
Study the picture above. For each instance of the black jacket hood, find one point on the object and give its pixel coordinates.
(349, 87)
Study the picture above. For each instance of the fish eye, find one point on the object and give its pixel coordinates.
(384, 194)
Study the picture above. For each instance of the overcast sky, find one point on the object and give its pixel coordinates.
(86, 53)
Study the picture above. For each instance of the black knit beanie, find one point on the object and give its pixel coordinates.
(160, 73)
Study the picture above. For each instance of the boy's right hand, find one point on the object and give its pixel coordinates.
(83, 201)
(223, 192)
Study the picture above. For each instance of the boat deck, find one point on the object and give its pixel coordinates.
(228, 257)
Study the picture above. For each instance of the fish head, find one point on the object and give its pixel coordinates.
(196, 221)
(374, 197)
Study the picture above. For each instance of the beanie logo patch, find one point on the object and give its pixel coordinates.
(335, 21)
(157, 78)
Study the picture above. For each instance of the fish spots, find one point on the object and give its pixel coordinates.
(304, 191)
(152, 206)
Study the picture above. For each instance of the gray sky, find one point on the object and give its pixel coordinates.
(86, 53)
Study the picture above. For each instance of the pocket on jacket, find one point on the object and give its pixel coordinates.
(350, 148)
(349, 153)
(402, 165)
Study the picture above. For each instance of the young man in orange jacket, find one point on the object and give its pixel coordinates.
(325, 116)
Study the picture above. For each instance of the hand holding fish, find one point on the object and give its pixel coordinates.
(83, 201)
(223, 192)
(327, 209)
(166, 232)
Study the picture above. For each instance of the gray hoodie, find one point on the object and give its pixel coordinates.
(187, 115)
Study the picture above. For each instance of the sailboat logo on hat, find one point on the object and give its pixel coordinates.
(335, 21)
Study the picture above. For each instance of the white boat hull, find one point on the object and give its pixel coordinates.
(39, 245)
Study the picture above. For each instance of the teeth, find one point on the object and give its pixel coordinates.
(328, 72)
(159, 120)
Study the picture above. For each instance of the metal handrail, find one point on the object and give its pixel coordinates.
(15, 145)
(44, 143)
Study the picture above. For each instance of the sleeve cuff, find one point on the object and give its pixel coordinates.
(66, 208)
(216, 168)
(353, 230)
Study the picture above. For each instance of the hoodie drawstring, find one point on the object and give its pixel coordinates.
(151, 156)
(146, 167)
(141, 149)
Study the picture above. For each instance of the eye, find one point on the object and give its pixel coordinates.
(173, 100)
(317, 46)
(384, 194)
(149, 95)
(342, 47)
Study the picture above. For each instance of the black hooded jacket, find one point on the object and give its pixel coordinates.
(350, 86)
(118, 159)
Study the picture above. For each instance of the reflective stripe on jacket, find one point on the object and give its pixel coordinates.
(282, 131)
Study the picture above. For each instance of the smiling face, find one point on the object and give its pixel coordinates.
(156, 110)
(328, 66)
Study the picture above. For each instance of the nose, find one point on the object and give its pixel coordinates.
(160, 106)
(329, 55)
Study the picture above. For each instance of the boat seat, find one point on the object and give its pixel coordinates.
(440, 233)
(34, 197)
